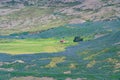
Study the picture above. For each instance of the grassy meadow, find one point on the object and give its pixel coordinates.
(27, 46)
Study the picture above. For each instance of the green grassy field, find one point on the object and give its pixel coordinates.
(27, 46)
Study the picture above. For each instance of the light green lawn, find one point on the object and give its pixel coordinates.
(29, 46)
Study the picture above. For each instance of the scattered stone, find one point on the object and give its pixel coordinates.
(67, 72)
(68, 79)
(7, 69)
(18, 61)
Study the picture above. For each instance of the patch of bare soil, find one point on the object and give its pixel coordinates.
(32, 78)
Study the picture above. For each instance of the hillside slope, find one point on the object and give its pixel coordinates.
(37, 40)
(42, 15)
(95, 58)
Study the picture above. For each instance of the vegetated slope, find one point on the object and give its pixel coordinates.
(39, 15)
(88, 29)
(96, 59)
(87, 60)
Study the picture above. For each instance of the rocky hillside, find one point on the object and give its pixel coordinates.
(18, 16)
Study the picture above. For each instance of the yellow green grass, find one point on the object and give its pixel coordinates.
(55, 61)
(30, 46)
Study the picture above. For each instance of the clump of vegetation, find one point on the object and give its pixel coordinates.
(77, 39)
(73, 66)
(55, 61)
(88, 37)
(91, 64)
(83, 38)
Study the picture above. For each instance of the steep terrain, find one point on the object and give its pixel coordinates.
(95, 58)
(37, 40)
(39, 15)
